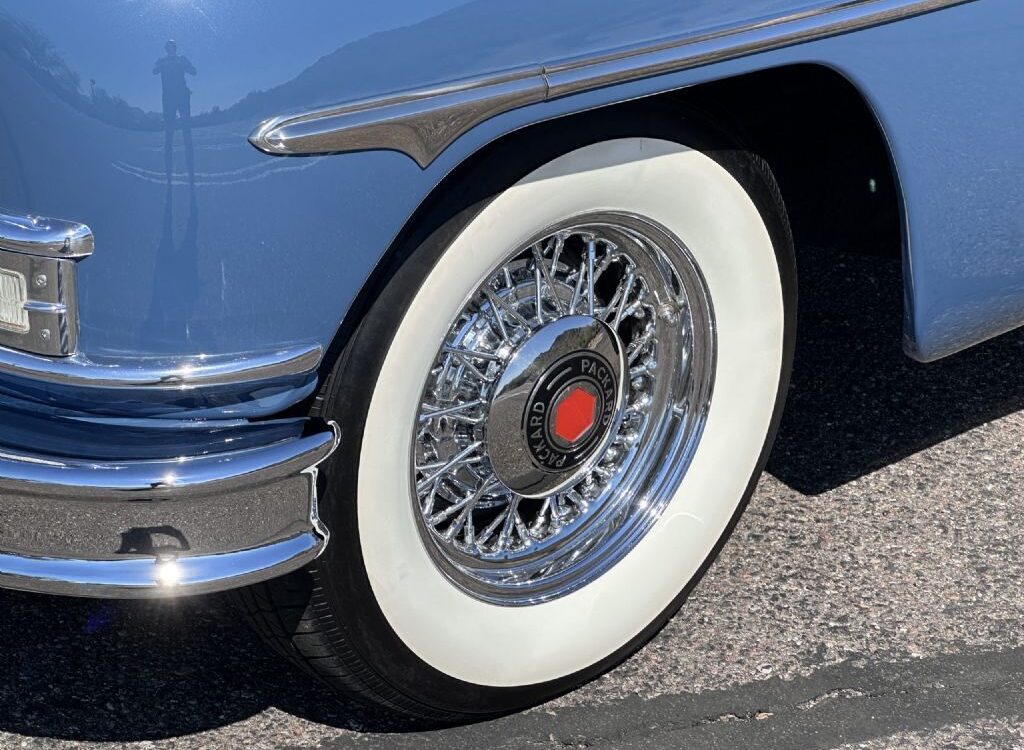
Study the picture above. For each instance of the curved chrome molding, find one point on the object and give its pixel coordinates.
(22, 474)
(144, 578)
(39, 235)
(195, 372)
(422, 122)
(156, 528)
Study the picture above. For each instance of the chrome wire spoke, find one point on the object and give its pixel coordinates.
(496, 318)
(591, 250)
(465, 518)
(488, 533)
(462, 457)
(545, 274)
(433, 411)
(500, 306)
(469, 354)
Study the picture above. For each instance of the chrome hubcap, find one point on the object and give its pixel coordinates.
(562, 408)
(554, 405)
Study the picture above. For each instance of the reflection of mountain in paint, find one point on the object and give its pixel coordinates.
(469, 40)
(474, 38)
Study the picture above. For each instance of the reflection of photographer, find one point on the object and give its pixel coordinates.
(177, 97)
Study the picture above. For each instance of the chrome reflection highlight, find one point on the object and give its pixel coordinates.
(168, 573)
(225, 386)
(486, 527)
(138, 578)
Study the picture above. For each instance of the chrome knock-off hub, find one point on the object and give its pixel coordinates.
(554, 406)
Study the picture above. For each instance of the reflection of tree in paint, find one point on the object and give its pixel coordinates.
(31, 50)
(502, 32)
(177, 101)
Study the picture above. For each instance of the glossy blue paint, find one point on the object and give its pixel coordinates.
(947, 91)
(219, 249)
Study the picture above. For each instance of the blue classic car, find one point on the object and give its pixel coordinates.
(452, 336)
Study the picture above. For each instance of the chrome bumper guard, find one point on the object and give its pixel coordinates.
(156, 528)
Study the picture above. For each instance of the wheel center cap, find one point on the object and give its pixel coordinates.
(569, 404)
(555, 405)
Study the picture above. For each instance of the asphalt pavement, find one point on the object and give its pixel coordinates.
(870, 597)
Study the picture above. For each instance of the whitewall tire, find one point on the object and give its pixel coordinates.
(414, 605)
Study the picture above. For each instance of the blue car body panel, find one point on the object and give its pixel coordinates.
(242, 252)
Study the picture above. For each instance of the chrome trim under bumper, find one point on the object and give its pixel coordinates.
(155, 528)
(423, 122)
(246, 385)
(164, 374)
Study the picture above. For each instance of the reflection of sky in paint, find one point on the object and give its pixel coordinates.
(229, 41)
(239, 46)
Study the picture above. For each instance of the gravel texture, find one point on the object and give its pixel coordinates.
(870, 597)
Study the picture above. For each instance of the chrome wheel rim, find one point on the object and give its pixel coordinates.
(563, 408)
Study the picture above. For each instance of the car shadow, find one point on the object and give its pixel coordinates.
(117, 671)
(90, 670)
(856, 401)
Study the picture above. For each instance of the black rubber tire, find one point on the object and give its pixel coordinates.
(325, 618)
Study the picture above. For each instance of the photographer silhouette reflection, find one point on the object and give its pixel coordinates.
(176, 277)
(177, 100)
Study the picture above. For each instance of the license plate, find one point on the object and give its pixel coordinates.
(13, 296)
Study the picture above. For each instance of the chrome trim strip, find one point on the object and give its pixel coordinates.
(135, 578)
(39, 235)
(22, 474)
(157, 528)
(422, 122)
(195, 372)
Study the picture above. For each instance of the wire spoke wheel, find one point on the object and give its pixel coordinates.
(520, 508)
(556, 410)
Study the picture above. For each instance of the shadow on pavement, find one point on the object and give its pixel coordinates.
(856, 402)
(91, 670)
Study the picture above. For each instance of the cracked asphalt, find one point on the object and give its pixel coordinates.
(870, 598)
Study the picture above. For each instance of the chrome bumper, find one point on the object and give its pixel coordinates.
(153, 528)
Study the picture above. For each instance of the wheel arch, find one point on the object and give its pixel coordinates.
(848, 197)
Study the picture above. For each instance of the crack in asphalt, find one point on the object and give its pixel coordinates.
(837, 693)
(762, 714)
(821, 710)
